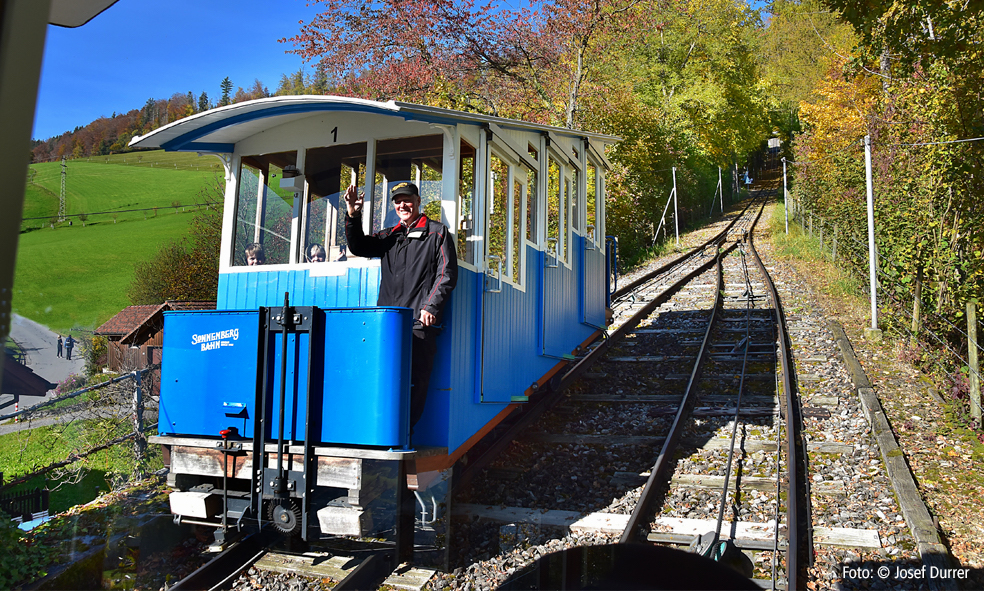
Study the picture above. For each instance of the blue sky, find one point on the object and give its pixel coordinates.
(138, 50)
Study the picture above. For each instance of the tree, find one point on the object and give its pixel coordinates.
(226, 87)
(256, 91)
(531, 62)
(203, 104)
(319, 85)
(294, 84)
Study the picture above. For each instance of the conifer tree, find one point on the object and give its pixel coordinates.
(226, 92)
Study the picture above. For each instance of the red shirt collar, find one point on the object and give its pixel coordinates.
(420, 223)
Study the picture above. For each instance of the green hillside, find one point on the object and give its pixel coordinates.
(78, 274)
(135, 181)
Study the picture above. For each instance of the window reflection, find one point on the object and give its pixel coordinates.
(418, 160)
(263, 210)
(330, 170)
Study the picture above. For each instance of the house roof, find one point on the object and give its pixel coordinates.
(128, 322)
(128, 319)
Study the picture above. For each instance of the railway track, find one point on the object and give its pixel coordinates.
(681, 428)
(698, 337)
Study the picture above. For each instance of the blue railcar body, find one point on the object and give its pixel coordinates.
(525, 206)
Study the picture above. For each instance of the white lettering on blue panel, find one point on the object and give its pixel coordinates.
(214, 340)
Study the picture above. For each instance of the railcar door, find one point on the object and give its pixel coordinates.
(503, 219)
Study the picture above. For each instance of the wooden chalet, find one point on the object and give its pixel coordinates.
(136, 334)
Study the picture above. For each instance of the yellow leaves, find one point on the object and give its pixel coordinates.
(838, 115)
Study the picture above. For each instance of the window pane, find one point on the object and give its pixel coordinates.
(531, 199)
(417, 160)
(553, 206)
(563, 219)
(574, 198)
(264, 211)
(592, 209)
(329, 172)
(498, 204)
(466, 193)
(517, 229)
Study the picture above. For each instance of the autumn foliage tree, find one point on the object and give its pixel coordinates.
(533, 63)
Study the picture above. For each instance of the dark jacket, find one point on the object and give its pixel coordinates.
(418, 268)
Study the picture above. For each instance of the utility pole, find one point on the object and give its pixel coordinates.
(871, 333)
(785, 194)
(61, 194)
(676, 218)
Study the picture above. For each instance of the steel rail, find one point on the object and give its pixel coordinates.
(632, 286)
(799, 531)
(534, 411)
(222, 570)
(660, 469)
(741, 390)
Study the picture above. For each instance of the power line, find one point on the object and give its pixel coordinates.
(974, 139)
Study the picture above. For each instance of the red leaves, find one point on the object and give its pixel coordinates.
(531, 62)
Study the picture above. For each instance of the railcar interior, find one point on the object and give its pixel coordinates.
(289, 402)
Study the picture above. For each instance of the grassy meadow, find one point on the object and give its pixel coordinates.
(78, 274)
(115, 183)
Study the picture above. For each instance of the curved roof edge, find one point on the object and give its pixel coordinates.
(183, 134)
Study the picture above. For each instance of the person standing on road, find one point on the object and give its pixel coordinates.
(59, 353)
(69, 343)
(418, 268)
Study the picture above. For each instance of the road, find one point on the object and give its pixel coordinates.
(39, 344)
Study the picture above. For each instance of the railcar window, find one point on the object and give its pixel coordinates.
(498, 204)
(466, 193)
(563, 219)
(592, 208)
(531, 199)
(329, 171)
(264, 211)
(555, 210)
(575, 196)
(518, 190)
(417, 160)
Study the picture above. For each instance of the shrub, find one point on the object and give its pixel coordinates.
(70, 384)
(21, 560)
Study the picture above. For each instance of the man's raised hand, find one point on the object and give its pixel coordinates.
(354, 200)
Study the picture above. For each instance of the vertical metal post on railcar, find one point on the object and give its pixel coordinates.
(611, 267)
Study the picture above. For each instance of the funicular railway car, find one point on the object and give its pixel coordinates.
(289, 403)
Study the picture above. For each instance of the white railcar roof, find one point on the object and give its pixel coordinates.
(218, 130)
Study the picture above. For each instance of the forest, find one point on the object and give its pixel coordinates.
(695, 85)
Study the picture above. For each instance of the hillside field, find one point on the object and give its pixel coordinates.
(113, 183)
(77, 275)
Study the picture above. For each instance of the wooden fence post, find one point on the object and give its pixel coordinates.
(975, 382)
(138, 407)
(833, 251)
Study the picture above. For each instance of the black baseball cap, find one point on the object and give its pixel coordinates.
(403, 189)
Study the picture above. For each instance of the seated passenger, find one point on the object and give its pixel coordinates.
(255, 254)
(316, 253)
